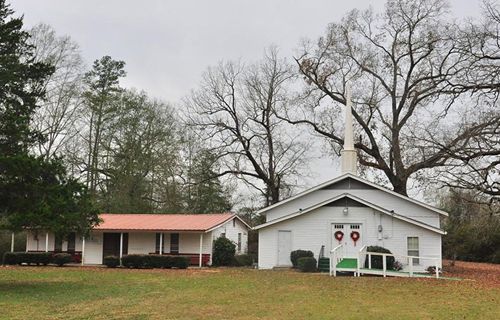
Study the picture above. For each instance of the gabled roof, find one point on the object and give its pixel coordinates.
(355, 198)
(164, 222)
(352, 176)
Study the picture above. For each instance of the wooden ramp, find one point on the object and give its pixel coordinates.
(351, 265)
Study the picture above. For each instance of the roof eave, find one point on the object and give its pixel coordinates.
(369, 204)
(350, 175)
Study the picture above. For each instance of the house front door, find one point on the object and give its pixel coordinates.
(284, 248)
(352, 238)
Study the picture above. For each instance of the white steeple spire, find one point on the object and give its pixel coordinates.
(348, 154)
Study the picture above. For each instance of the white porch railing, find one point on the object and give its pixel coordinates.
(364, 254)
(361, 259)
(336, 255)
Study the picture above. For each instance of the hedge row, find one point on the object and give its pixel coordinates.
(36, 258)
(148, 261)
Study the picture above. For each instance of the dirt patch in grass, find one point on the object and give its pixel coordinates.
(486, 274)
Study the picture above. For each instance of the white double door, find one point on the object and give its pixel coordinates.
(348, 231)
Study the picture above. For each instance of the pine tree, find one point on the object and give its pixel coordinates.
(34, 193)
(205, 192)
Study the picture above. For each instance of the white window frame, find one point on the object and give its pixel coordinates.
(415, 261)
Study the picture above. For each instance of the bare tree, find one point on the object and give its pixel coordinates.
(404, 65)
(235, 109)
(55, 119)
(478, 162)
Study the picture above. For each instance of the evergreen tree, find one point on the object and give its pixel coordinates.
(33, 193)
(205, 192)
(103, 86)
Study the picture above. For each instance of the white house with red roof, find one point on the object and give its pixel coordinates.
(339, 221)
(168, 234)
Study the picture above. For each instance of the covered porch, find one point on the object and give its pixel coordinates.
(102, 243)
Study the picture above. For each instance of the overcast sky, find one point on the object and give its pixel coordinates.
(168, 44)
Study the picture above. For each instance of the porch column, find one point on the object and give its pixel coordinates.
(160, 250)
(121, 247)
(83, 249)
(12, 242)
(46, 242)
(201, 250)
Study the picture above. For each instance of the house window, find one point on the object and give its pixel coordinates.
(71, 242)
(239, 242)
(157, 245)
(413, 248)
(58, 243)
(174, 243)
(223, 235)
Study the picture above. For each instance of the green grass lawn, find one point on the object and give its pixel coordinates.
(99, 293)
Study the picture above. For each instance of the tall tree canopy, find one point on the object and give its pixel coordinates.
(235, 109)
(407, 67)
(34, 193)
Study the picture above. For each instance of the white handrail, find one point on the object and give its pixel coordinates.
(334, 257)
(409, 258)
(360, 260)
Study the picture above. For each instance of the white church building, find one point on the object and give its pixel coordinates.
(339, 219)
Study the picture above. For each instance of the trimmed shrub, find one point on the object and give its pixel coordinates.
(167, 262)
(224, 250)
(37, 258)
(61, 259)
(377, 262)
(10, 258)
(158, 261)
(180, 262)
(307, 264)
(111, 261)
(155, 261)
(134, 260)
(243, 260)
(297, 254)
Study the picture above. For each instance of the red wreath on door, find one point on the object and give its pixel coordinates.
(355, 236)
(339, 235)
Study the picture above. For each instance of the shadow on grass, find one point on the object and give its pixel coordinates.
(40, 289)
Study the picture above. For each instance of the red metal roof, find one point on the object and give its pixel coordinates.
(162, 222)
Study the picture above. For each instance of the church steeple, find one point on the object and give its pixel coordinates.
(348, 154)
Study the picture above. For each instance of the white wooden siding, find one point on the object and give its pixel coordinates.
(232, 234)
(36, 241)
(312, 230)
(141, 242)
(377, 197)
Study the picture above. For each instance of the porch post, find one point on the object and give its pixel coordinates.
(160, 250)
(83, 249)
(201, 250)
(121, 247)
(46, 242)
(27, 240)
(12, 243)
